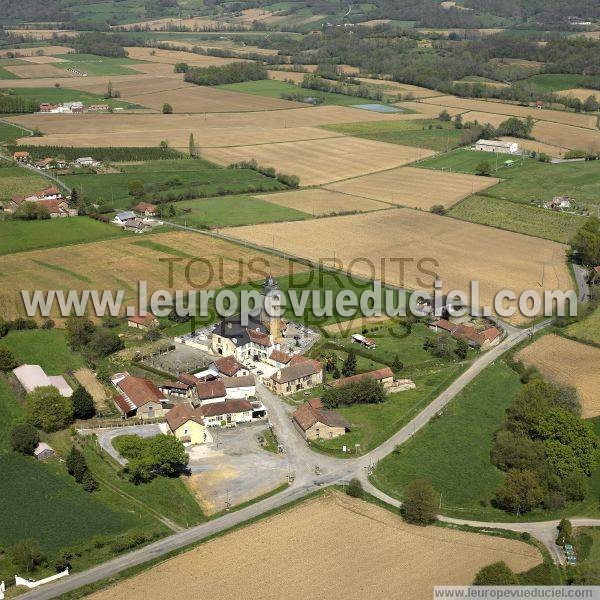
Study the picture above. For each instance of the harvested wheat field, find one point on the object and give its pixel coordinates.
(118, 264)
(320, 202)
(582, 93)
(153, 68)
(425, 110)
(171, 57)
(163, 24)
(566, 362)
(554, 116)
(348, 549)
(512, 261)
(294, 76)
(565, 136)
(38, 71)
(47, 50)
(91, 83)
(97, 391)
(415, 188)
(535, 146)
(401, 88)
(43, 60)
(322, 161)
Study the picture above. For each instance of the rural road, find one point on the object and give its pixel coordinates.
(331, 470)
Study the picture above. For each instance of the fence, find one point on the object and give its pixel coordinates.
(33, 584)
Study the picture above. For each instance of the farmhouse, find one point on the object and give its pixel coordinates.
(239, 387)
(558, 203)
(227, 413)
(58, 208)
(316, 423)
(97, 107)
(123, 217)
(279, 358)
(86, 161)
(228, 366)
(43, 451)
(209, 392)
(143, 322)
(184, 387)
(21, 156)
(301, 374)
(138, 397)
(187, 424)
(384, 376)
(146, 209)
(136, 225)
(484, 339)
(45, 163)
(497, 146)
(32, 377)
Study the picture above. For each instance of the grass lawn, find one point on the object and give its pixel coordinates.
(554, 82)
(522, 218)
(229, 211)
(15, 181)
(97, 65)
(422, 133)
(4, 74)
(198, 177)
(274, 89)
(55, 95)
(466, 161)
(10, 132)
(588, 329)
(45, 347)
(453, 452)
(21, 236)
(587, 545)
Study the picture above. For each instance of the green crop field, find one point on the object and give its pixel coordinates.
(466, 161)
(10, 132)
(275, 89)
(21, 236)
(453, 452)
(522, 218)
(167, 181)
(554, 82)
(422, 133)
(230, 211)
(588, 329)
(16, 180)
(45, 347)
(54, 95)
(97, 65)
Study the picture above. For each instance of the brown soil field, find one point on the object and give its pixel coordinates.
(457, 251)
(374, 22)
(582, 93)
(88, 380)
(153, 68)
(554, 116)
(47, 50)
(134, 85)
(43, 60)
(171, 57)
(189, 98)
(322, 161)
(89, 83)
(121, 263)
(565, 136)
(402, 88)
(163, 24)
(571, 363)
(349, 550)
(535, 146)
(415, 188)
(320, 202)
(287, 76)
(38, 71)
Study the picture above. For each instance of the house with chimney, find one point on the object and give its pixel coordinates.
(186, 423)
(302, 373)
(317, 423)
(138, 397)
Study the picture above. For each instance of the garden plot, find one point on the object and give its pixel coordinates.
(566, 362)
(321, 161)
(415, 188)
(457, 251)
(320, 202)
(264, 558)
(554, 116)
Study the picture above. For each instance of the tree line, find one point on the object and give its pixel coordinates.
(232, 73)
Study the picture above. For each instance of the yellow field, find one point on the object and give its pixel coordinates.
(163, 24)
(322, 161)
(332, 547)
(425, 110)
(554, 116)
(287, 76)
(462, 251)
(43, 60)
(566, 362)
(535, 146)
(121, 263)
(172, 57)
(565, 136)
(415, 188)
(401, 88)
(38, 71)
(153, 69)
(582, 93)
(89, 83)
(319, 202)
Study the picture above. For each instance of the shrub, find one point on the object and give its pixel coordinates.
(24, 438)
(48, 410)
(27, 555)
(355, 489)
(83, 404)
(8, 362)
(419, 502)
(498, 573)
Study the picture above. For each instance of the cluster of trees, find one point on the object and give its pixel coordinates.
(315, 82)
(78, 468)
(21, 324)
(149, 457)
(100, 44)
(545, 448)
(446, 347)
(363, 391)
(106, 154)
(92, 341)
(13, 103)
(31, 211)
(586, 243)
(233, 73)
(291, 181)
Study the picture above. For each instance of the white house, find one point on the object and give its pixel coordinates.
(497, 146)
(237, 388)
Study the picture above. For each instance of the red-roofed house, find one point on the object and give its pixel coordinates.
(384, 376)
(146, 209)
(227, 413)
(187, 424)
(209, 392)
(316, 423)
(228, 366)
(138, 397)
(279, 358)
(21, 156)
(301, 374)
(143, 322)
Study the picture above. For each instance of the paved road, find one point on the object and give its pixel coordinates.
(106, 436)
(332, 470)
(581, 276)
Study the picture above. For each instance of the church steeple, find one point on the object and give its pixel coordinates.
(271, 318)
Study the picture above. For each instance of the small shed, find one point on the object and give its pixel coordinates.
(43, 451)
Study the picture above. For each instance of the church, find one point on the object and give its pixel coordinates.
(256, 335)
